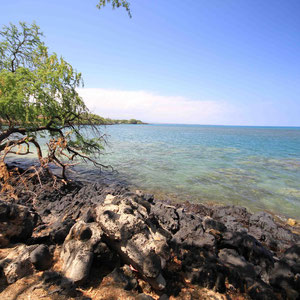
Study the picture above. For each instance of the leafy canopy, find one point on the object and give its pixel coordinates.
(116, 4)
(37, 95)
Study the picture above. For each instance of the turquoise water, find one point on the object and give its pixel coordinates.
(257, 167)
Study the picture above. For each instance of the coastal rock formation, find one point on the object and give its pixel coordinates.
(77, 251)
(146, 248)
(41, 258)
(16, 223)
(22, 260)
(128, 229)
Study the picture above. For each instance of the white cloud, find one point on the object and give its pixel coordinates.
(151, 107)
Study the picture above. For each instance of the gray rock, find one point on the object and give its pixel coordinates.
(16, 223)
(164, 297)
(77, 250)
(60, 230)
(152, 265)
(232, 259)
(124, 277)
(167, 217)
(63, 285)
(41, 258)
(128, 229)
(190, 232)
(264, 228)
(17, 264)
(209, 223)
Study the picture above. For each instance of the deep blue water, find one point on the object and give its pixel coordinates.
(257, 167)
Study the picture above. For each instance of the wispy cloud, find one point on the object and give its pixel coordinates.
(155, 108)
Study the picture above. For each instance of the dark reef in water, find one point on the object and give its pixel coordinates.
(143, 246)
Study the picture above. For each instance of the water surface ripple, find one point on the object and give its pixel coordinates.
(257, 167)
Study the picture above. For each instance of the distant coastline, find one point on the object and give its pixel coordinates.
(98, 120)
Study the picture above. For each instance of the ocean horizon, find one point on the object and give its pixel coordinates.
(253, 166)
(257, 167)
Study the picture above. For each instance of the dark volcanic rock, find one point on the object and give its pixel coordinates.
(209, 223)
(285, 276)
(264, 228)
(171, 247)
(167, 217)
(16, 223)
(41, 257)
(248, 247)
(124, 277)
(235, 218)
(232, 259)
(64, 286)
(60, 229)
(190, 232)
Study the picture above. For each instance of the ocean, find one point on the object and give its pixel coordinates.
(255, 167)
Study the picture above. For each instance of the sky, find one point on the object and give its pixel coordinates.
(222, 62)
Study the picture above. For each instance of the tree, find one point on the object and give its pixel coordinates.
(116, 4)
(38, 97)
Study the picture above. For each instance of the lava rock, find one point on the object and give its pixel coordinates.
(16, 223)
(77, 251)
(127, 227)
(17, 264)
(124, 277)
(60, 229)
(41, 258)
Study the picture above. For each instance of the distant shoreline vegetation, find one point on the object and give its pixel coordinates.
(98, 120)
(92, 119)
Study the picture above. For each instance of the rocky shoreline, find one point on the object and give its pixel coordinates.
(103, 241)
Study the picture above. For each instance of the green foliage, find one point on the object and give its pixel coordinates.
(19, 46)
(98, 120)
(38, 94)
(116, 4)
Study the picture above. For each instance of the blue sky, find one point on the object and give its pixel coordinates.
(207, 62)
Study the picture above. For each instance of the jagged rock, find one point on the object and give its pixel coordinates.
(124, 277)
(16, 223)
(152, 265)
(64, 285)
(88, 215)
(128, 230)
(191, 232)
(167, 217)
(60, 229)
(264, 228)
(209, 223)
(261, 291)
(283, 278)
(169, 245)
(17, 264)
(103, 255)
(211, 276)
(77, 250)
(235, 218)
(248, 247)
(41, 258)
(293, 253)
(232, 259)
